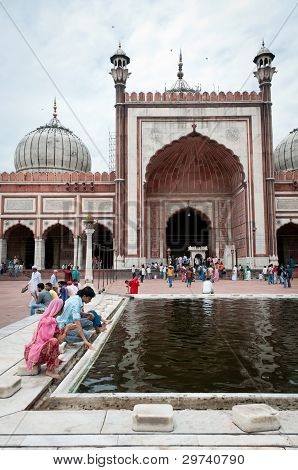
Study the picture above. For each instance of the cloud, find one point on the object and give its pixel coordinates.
(75, 38)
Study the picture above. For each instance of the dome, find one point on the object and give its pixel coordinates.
(120, 54)
(52, 147)
(263, 51)
(286, 153)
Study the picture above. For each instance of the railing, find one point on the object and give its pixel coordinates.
(102, 278)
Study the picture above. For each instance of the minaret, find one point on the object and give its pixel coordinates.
(120, 75)
(264, 74)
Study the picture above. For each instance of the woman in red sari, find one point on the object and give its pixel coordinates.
(134, 285)
(44, 347)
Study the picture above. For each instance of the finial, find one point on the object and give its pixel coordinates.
(194, 126)
(180, 65)
(119, 44)
(55, 109)
(263, 43)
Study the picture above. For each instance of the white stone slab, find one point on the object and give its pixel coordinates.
(9, 385)
(69, 441)
(62, 422)
(152, 418)
(158, 440)
(256, 440)
(10, 423)
(255, 417)
(23, 371)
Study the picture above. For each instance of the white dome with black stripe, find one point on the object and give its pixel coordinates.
(52, 147)
(286, 153)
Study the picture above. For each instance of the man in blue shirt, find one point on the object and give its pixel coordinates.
(72, 315)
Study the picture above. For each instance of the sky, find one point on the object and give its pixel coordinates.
(62, 48)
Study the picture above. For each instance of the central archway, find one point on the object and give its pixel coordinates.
(187, 227)
(211, 178)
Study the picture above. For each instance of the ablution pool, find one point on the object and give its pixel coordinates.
(201, 345)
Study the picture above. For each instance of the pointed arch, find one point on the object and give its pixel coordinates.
(194, 164)
(59, 245)
(20, 243)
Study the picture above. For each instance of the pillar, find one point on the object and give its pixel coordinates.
(3, 250)
(80, 253)
(120, 75)
(89, 269)
(39, 253)
(75, 251)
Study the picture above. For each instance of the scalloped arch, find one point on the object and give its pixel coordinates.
(194, 164)
(53, 225)
(15, 226)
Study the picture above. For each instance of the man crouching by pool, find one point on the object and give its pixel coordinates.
(82, 327)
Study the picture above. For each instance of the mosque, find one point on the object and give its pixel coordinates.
(192, 169)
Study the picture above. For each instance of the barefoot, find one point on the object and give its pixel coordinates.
(107, 321)
(101, 329)
(52, 374)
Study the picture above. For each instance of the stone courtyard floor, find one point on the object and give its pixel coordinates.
(157, 286)
(14, 305)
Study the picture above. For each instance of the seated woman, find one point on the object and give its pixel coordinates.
(44, 347)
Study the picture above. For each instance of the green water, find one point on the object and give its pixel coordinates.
(207, 345)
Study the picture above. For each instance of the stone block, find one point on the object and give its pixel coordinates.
(152, 418)
(256, 417)
(9, 385)
(23, 371)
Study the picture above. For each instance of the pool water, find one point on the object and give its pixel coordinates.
(206, 345)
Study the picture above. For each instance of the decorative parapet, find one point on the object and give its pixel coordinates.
(50, 177)
(190, 96)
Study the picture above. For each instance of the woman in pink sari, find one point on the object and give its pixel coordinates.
(44, 347)
(216, 274)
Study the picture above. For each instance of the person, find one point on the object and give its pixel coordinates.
(75, 274)
(63, 292)
(270, 274)
(202, 273)
(33, 283)
(99, 321)
(241, 272)
(170, 275)
(207, 287)
(265, 273)
(161, 271)
(189, 277)
(216, 273)
(43, 299)
(148, 270)
(81, 327)
(67, 273)
(143, 272)
(44, 347)
(133, 271)
(247, 274)
(134, 285)
(49, 288)
(234, 273)
(71, 289)
(127, 286)
(289, 275)
(54, 280)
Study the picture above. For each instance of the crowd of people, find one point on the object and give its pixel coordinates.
(208, 271)
(182, 268)
(63, 318)
(13, 267)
